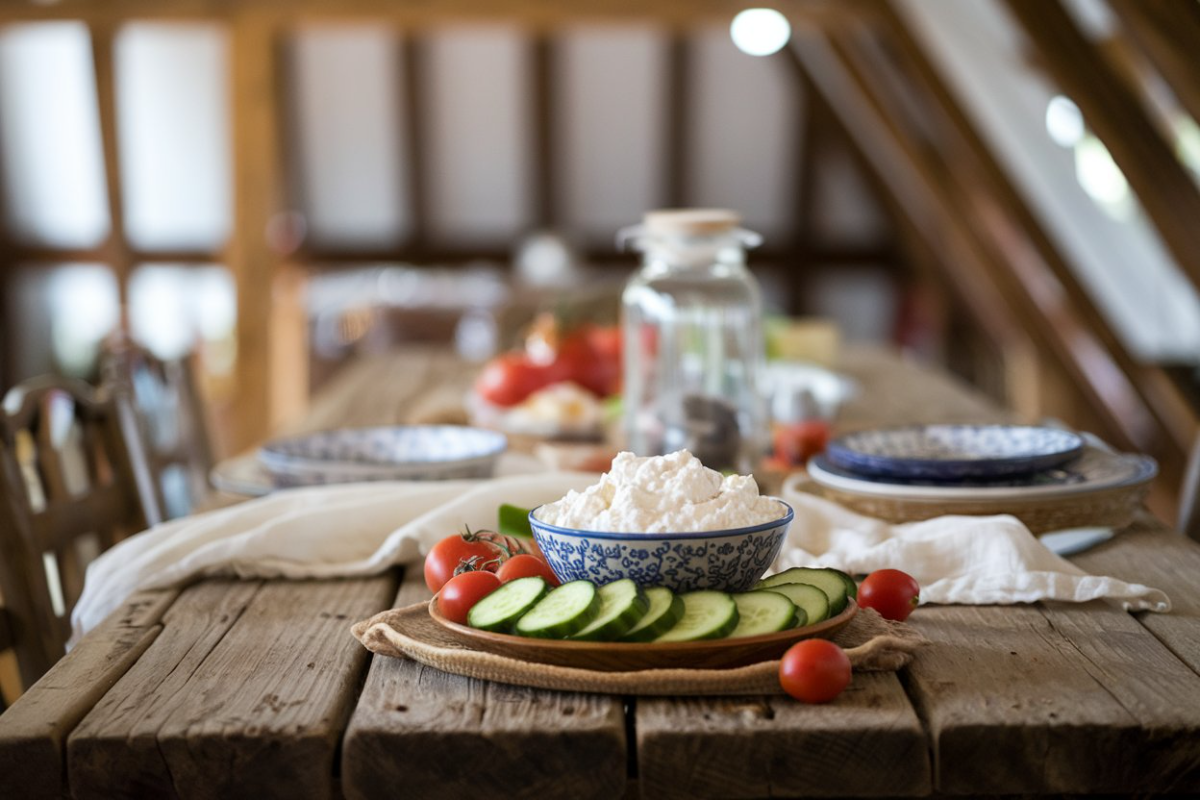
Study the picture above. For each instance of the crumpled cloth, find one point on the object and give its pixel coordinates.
(363, 529)
(960, 560)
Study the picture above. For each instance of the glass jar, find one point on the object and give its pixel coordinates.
(693, 340)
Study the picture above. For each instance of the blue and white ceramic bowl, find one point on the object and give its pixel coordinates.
(953, 452)
(730, 560)
(397, 453)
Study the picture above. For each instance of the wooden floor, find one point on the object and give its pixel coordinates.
(237, 688)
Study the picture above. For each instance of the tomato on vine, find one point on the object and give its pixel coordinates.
(524, 565)
(463, 591)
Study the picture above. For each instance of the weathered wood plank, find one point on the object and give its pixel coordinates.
(33, 732)
(1148, 552)
(1058, 699)
(417, 731)
(257, 709)
(868, 743)
(114, 751)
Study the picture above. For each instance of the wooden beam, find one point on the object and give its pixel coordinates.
(964, 200)
(116, 252)
(1168, 33)
(547, 13)
(412, 105)
(545, 207)
(1123, 122)
(678, 108)
(1052, 278)
(913, 192)
(38, 255)
(257, 192)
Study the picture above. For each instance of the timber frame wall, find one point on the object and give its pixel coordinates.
(964, 228)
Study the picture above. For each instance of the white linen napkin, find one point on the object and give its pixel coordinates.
(962, 560)
(313, 532)
(362, 529)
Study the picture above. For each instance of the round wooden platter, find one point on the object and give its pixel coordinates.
(627, 656)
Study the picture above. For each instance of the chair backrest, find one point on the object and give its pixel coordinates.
(73, 480)
(171, 422)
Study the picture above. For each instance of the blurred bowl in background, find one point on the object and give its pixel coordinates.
(800, 391)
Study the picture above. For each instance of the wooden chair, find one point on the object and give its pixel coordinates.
(171, 422)
(73, 480)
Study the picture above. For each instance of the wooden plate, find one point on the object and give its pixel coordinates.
(628, 656)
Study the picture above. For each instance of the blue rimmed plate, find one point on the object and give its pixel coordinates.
(401, 452)
(954, 452)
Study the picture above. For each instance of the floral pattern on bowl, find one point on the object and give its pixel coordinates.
(730, 560)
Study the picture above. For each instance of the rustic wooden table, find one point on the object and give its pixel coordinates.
(238, 688)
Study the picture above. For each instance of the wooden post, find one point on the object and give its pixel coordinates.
(257, 193)
(116, 246)
(544, 197)
(677, 109)
(413, 107)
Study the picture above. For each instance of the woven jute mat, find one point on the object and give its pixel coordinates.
(872, 643)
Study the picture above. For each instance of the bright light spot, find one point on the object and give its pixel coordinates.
(1187, 142)
(1102, 178)
(83, 310)
(1064, 122)
(760, 31)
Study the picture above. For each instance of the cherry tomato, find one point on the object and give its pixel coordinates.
(448, 554)
(814, 670)
(894, 594)
(510, 378)
(463, 591)
(526, 566)
(795, 443)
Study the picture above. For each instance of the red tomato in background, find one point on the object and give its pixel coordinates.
(894, 594)
(447, 554)
(814, 670)
(463, 591)
(797, 442)
(526, 566)
(509, 378)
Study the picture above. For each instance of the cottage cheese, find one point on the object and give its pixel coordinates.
(663, 494)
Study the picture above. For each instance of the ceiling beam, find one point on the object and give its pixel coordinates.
(1123, 122)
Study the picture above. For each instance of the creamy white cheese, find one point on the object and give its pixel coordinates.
(663, 494)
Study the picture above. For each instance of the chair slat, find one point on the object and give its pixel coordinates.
(86, 457)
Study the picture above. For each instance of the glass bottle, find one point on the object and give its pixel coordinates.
(693, 340)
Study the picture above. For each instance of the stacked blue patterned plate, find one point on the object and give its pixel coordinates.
(954, 453)
(1049, 478)
(402, 452)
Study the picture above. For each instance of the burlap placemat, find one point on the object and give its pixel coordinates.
(872, 643)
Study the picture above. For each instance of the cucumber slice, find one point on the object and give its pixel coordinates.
(666, 608)
(500, 610)
(514, 521)
(811, 601)
(851, 586)
(622, 605)
(827, 580)
(566, 610)
(706, 615)
(763, 612)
